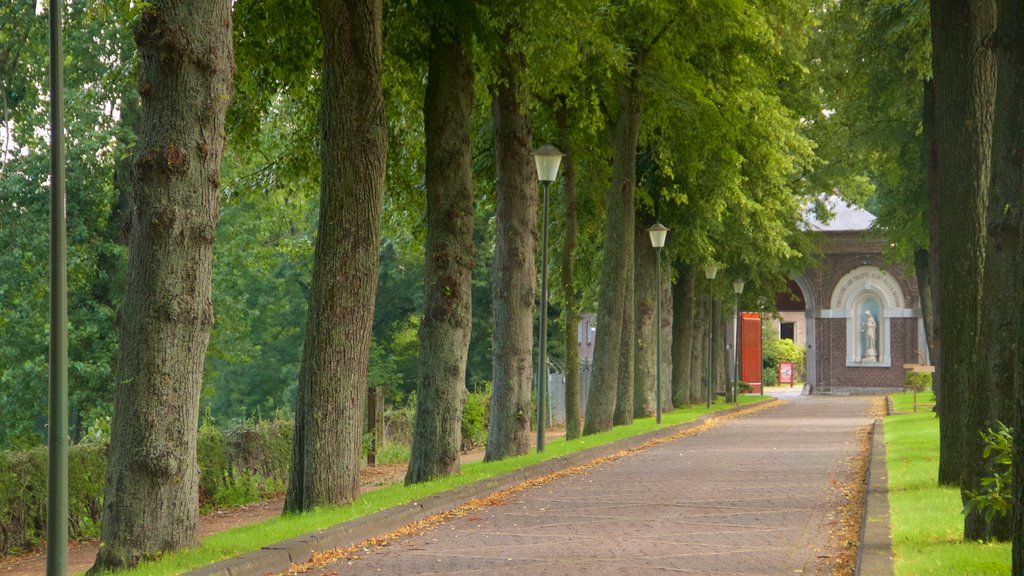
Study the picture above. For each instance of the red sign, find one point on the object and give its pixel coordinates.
(750, 348)
(785, 372)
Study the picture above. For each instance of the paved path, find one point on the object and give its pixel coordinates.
(752, 496)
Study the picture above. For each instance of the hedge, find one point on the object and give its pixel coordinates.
(246, 462)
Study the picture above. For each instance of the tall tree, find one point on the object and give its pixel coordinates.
(449, 253)
(327, 446)
(644, 326)
(993, 396)
(619, 201)
(698, 351)
(1006, 223)
(965, 82)
(151, 497)
(514, 273)
(667, 316)
(570, 307)
(682, 336)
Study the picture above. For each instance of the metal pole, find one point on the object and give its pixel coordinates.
(57, 442)
(736, 353)
(760, 356)
(657, 340)
(711, 327)
(542, 368)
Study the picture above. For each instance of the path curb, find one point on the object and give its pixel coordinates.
(279, 557)
(874, 556)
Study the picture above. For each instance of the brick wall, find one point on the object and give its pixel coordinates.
(835, 374)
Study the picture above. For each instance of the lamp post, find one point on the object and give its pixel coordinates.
(709, 272)
(737, 287)
(658, 233)
(57, 433)
(547, 159)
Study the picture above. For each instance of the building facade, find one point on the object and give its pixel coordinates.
(858, 316)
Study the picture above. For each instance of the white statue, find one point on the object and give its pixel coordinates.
(870, 333)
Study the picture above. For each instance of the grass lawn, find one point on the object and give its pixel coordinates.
(927, 524)
(248, 538)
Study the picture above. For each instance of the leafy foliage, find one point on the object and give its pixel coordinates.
(995, 495)
(776, 350)
(98, 68)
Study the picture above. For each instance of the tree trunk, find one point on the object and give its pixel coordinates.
(922, 270)
(627, 348)
(934, 241)
(644, 333)
(682, 336)
(720, 357)
(993, 397)
(447, 319)
(667, 307)
(698, 361)
(327, 447)
(616, 272)
(570, 312)
(151, 497)
(1008, 191)
(964, 76)
(515, 274)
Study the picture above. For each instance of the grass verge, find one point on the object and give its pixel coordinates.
(927, 524)
(253, 537)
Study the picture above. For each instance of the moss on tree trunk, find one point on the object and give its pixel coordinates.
(447, 318)
(151, 497)
(327, 447)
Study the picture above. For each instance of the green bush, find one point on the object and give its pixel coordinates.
(920, 381)
(475, 415)
(246, 462)
(776, 350)
(23, 494)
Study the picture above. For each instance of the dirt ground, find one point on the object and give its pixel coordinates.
(82, 554)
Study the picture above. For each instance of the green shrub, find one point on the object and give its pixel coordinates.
(246, 462)
(393, 454)
(399, 422)
(23, 494)
(995, 495)
(776, 350)
(920, 381)
(475, 415)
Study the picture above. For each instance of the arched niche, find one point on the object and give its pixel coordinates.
(869, 298)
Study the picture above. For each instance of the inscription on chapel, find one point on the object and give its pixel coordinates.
(867, 277)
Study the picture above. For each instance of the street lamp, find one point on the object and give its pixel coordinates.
(658, 233)
(737, 287)
(547, 159)
(709, 272)
(57, 433)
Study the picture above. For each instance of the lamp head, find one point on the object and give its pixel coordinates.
(658, 233)
(710, 271)
(737, 286)
(547, 158)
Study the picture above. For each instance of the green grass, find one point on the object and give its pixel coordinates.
(253, 537)
(904, 402)
(927, 524)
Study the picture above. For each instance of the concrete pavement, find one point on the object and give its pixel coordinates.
(755, 495)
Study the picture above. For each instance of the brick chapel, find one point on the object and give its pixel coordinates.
(858, 316)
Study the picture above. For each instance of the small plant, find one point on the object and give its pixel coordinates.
(919, 381)
(995, 496)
